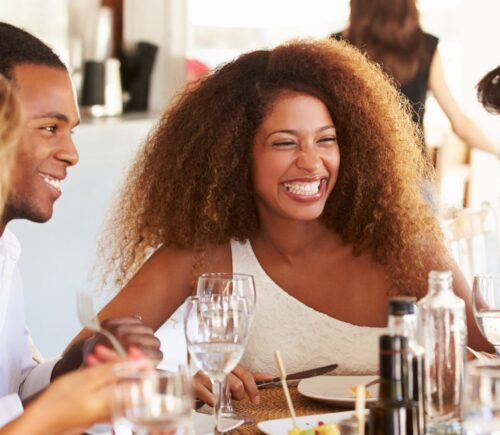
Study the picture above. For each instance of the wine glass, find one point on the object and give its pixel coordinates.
(147, 401)
(229, 284)
(482, 397)
(486, 306)
(216, 329)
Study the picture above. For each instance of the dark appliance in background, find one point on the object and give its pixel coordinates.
(136, 67)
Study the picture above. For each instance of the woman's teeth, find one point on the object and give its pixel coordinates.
(305, 189)
(54, 182)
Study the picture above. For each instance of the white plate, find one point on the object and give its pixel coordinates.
(335, 389)
(203, 424)
(283, 425)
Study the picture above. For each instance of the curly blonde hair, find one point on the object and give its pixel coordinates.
(190, 185)
(10, 130)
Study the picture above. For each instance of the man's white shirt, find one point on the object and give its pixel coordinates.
(20, 376)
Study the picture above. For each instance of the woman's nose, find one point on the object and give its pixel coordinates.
(309, 160)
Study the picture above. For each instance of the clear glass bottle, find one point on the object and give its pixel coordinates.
(393, 413)
(443, 334)
(402, 320)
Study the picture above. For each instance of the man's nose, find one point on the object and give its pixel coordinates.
(68, 152)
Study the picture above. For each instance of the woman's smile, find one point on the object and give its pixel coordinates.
(305, 190)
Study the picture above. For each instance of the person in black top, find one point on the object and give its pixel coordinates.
(389, 32)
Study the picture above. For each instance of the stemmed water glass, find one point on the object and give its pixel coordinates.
(229, 284)
(216, 329)
(486, 306)
(147, 401)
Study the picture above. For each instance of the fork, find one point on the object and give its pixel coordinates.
(89, 319)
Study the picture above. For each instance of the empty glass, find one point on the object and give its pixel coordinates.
(486, 306)
(216, 329)
(229, 284)
(147, 401)
(482, 398)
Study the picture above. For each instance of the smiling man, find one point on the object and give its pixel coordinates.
(45, 153)
(46, 150)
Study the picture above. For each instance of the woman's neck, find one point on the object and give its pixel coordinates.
(294, 239)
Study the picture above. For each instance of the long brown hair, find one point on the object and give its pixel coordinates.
(10, 130)
(390, 33)
(190, 185)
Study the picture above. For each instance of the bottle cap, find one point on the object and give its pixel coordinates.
(401, 305)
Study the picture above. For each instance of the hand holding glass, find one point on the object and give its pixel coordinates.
(216, 331)
(229, 284)
(147, 401)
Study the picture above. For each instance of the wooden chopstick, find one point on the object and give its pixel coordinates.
(360, 408)
(282, 372)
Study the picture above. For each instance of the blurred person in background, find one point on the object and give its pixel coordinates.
(488, 91)
(389, 32)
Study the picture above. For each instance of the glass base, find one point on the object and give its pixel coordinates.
(247, 419)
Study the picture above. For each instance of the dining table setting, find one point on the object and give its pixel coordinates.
(400, 399)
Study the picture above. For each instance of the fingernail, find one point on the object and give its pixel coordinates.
(136, 354)
(256, 400)
(90, 360)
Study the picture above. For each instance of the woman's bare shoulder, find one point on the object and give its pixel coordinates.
(212, 256)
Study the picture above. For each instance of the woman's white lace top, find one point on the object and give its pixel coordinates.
(305, 337)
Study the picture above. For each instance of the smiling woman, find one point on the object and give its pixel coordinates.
(300, 166)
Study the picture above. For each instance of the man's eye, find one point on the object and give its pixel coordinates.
(50, 128)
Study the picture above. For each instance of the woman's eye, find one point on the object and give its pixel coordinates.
(328, 140)
(283, 143)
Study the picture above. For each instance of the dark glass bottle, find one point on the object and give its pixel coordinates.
(402, 320)
(394, 413)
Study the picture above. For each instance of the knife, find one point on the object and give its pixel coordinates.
(298, 376)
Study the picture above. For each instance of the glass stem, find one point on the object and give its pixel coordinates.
(218, 392)
(226, 406)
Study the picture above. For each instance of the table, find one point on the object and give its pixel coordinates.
(273, 405)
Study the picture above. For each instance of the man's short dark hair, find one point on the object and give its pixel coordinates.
(20, 47)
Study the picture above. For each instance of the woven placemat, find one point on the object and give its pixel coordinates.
(273, 405)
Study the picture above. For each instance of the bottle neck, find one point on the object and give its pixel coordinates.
(440, 282)
(439, 288)
(405, 325)
(393, 370)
